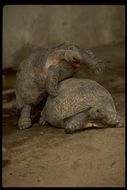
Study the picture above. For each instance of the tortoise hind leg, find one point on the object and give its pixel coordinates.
(75, 123)
(25, 120)
(42, 121)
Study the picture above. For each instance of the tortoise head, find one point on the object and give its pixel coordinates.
(73, 57)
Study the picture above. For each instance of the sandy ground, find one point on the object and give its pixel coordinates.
(47, 157)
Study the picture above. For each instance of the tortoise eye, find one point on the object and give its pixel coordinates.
(74, 58)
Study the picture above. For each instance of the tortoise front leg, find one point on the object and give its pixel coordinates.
(25, 120)
(76, 123)
(94, 63)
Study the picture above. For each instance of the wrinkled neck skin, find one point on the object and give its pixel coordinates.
(61, 71)
(64, 70)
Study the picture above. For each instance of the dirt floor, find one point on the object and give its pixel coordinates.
(47, 157)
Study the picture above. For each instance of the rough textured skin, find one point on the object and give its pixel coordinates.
(39, 74)
(80, 103)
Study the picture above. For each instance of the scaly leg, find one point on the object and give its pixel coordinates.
(42, 121)
(25, 120)
(76, 123)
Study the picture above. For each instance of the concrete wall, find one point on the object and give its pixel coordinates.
(40, 24)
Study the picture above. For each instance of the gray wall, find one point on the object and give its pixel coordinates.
(85, 25)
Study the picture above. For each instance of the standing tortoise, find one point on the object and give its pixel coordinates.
(80, 103)
(39, 74)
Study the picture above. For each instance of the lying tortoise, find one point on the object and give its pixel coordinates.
(38, 75)
(80, 103)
